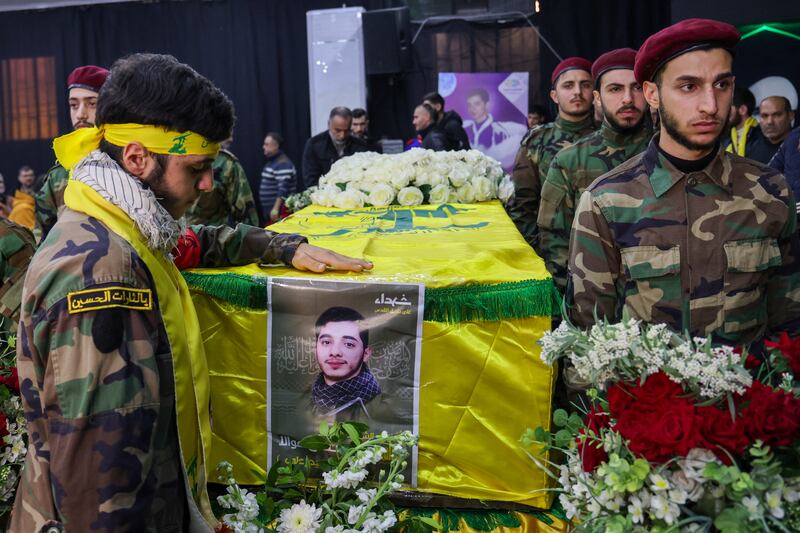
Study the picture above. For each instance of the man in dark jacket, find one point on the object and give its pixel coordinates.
(449, 122)
(324, 149)
(432, 137)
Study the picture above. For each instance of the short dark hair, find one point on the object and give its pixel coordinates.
(159, 90)
(277, 137)
(341, 111)
(342, 314)
(435, 98)
(479, 91)
(429, 109)
(744, 97)
(359, 112)
(24, 168)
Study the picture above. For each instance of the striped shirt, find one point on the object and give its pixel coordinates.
(278, 180)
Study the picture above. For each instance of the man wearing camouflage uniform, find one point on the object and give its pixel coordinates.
(113, 374)
(572, 92)
(230, 201)
(624, 134)
(687, 234)
(83, 84)
(16, 249)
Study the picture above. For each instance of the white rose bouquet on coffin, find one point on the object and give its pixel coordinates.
(412, 178)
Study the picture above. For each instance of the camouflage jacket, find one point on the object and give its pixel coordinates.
(16, 249)
(230, 199)
(710, 252)
(536, 151)
(97, 384)
(573, 169)
(50, 198)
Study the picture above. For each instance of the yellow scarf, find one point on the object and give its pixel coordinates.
(183, 331)
(738, 145)
(73, 147)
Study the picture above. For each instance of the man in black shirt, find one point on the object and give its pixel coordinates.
(325, 148)
(776, 122)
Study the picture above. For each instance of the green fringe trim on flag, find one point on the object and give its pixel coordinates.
(521, 299)
(478, 520)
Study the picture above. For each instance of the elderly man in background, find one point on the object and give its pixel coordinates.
(324, 149)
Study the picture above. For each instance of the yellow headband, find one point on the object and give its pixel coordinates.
(73, 147)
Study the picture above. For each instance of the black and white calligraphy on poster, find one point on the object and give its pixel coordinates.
(341, 351)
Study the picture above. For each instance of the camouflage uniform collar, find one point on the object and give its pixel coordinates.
(574, 127)
(663, 174)
(616, 139)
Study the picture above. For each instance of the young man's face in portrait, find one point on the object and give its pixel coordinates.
(340, 351)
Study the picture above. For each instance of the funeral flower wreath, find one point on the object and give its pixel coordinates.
(411, 178)
(675, 434)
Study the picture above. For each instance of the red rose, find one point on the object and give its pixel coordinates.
(770, 415)
(790, 349)
(223, 528)
(3, 425)
(655, 418)
(591, 451)
(721, 433)
(11, 381)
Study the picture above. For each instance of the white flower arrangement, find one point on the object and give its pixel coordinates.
(412, 178)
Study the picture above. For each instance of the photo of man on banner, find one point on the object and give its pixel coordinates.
(341, 351)
(497, 106)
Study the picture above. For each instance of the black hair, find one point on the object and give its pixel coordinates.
(435, 98)
(359, 112)
(277, 137)
(743, 97)
(159, 90)
(24, 168)
(430, 110)
(341, 111)
(342, 314)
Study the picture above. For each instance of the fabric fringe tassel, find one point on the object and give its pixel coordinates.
(522, 299)
(453, 520)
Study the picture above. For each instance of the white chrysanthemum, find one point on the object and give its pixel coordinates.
(410, 196)
(299, 518)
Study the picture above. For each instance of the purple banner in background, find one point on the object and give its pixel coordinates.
(494, 107)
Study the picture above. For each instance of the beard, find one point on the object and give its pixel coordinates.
(620, 127)
(155, 182)
(670, 124)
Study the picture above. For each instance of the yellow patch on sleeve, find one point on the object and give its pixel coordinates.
(109, 297)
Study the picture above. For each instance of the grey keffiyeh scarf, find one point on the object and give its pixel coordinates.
(100, 172)
(344, 393)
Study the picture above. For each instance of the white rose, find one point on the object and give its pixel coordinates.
(381, 195)
(350, 199)
(484, 189)
(459, 175)
(466, 193)
(325, 196)
(506, 190)
(400, 180)
(440, 194)
(410, 196)
(423, 178)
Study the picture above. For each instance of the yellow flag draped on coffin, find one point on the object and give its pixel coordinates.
(488, 300)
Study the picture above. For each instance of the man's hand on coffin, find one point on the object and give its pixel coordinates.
(316, 259)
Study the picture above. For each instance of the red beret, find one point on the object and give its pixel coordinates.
(87, 77)
(571, 63)
(685, 36)
(621, 58)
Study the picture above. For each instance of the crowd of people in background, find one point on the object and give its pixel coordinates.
(761, 131)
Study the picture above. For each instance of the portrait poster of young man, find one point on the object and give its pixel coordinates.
(341, 351)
